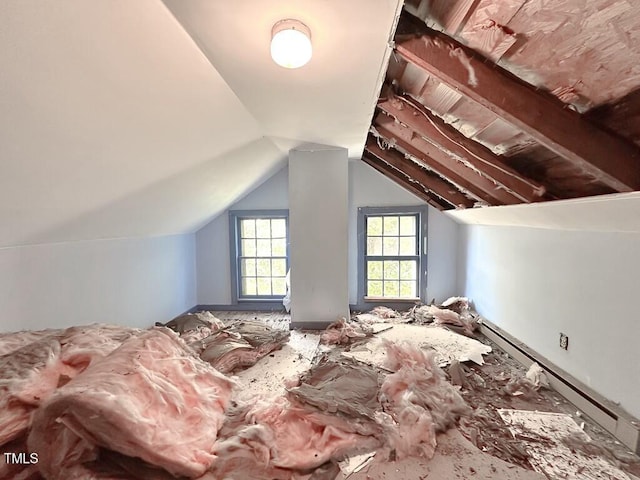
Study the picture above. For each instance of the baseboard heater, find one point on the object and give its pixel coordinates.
(605, 413)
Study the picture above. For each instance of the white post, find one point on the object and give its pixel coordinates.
(318, 232)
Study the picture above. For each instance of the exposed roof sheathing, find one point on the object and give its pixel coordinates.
(504, 90)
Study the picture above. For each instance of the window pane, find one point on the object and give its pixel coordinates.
(264, 286)
(408, 269)
(279, 267)
(263, 228)
(248, 248)
(391, 246)
(408, 225)
(374, 289)
(391, 226)
(248, 267)
(391, 270)
(264, 267)
(391, 289)
(278, 286)
(408, 289)
(407, 245)
(248, 228)
(374, 270)
(279, 247)
(264, 248)
(374, 225)
(374, 246)
(278, 228)
(249, 286)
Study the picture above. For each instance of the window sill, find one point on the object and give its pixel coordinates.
(260, 300)
(391, 300)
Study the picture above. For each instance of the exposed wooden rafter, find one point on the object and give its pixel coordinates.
(622, 116)
(599, 153)
(405, 182)
(422, 176)
(458, 173)
(450, 140)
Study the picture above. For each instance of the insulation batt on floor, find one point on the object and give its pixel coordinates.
(384, 395)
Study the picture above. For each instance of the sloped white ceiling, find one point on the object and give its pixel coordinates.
(133, 118)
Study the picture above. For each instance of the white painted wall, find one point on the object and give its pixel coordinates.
(212, 241)
(537, 282)
(318, 235)
(133, 282)
(367, 188)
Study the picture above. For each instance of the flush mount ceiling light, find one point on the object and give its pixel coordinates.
(290, 43)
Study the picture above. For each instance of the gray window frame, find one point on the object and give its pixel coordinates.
(422, 213)
(234, 243)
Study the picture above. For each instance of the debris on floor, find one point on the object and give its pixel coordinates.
(448, 346)
(355, 463)
(557, 447)
(344, 332)
(455, 459)
(149, 399)
(534, 379)
(402, 395)
(271, 375)
(227, 347)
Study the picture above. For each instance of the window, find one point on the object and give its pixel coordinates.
(391, 258)
(259, 254)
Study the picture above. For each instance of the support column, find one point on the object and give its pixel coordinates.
(318, 232)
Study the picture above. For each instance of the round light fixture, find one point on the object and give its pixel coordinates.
(291, 43)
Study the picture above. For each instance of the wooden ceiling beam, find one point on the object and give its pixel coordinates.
(428, 180)
(404, 182)
(610, 159)
(468, 179)
(444, 136)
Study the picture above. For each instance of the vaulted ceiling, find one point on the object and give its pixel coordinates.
(510, 102)
(123, 118)
(130, 119)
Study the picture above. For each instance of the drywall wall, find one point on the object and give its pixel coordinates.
(318, 235)
(133, 282)
(536, 283)
(212, 241)
(367, 188)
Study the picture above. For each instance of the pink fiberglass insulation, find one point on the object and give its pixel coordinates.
(332, 413)
(27, 377)
(239, 345)
(385, 312)
(226, 352)
(193, 321)
(259, 335)
(150, 398)
(287, 436)
(346, 387)
(344, 332)
(11, 470)
(10, 342)
(83, 345)
(446, 316)
(419, 399)
(45, 360)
